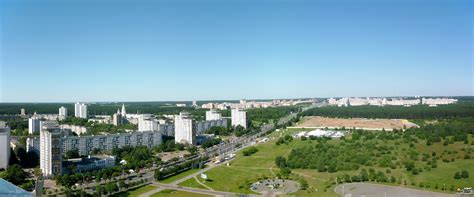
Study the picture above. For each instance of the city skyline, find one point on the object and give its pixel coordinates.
(83, 51)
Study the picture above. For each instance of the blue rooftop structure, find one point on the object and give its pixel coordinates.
(8, 189)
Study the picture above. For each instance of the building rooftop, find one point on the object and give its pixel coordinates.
(8, 189)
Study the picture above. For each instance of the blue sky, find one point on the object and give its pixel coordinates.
(203, 50)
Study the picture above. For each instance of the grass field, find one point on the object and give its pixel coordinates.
(175, 193)
(244, 170)
(141, 190)
(193, 183)
(178, 176)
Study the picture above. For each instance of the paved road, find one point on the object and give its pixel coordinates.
(377, 190)
(193, 190)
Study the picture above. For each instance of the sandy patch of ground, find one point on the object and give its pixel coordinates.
(170, 155)
(359, 123)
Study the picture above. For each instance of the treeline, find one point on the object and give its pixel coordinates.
(454, 129)
(463, 109)
(258, 116)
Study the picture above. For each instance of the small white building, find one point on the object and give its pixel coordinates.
(92, 163)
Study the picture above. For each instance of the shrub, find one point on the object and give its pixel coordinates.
(249, 151)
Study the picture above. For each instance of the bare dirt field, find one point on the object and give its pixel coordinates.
(359, 123)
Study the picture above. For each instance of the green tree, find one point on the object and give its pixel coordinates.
(15, 174)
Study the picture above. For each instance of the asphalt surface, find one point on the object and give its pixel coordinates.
(377, 190)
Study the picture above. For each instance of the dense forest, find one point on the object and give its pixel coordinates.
(462, 109)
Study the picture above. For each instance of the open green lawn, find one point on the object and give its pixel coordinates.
(141, 190)
(193, 183)
(244, 170)
(178, 176)
(177, 193)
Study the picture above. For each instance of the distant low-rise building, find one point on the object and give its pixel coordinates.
(79, 130)
(213, 115)
(90, 163)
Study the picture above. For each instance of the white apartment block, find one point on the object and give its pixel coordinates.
(117, 119)
(147, 124)
(213, 115)
(33, 125)
(86, 144)
(62, 112)
(4, 145)
(50, 151)
(390, 101)
(183, 129)
(438, 101)
(80, 110)
(239, 117)
(79, 130)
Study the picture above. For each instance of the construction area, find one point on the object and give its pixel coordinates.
(358, 123)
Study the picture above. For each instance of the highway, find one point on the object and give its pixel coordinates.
(220, 150)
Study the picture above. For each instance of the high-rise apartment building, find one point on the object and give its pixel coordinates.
(183, 125)
(62, 112)
(50, 151)
(33, 125)
(239, 117)
(80, 110)
(4, 145)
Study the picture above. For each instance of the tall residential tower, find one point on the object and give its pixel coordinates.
(183, 129)
(4, 145)
(239, 117)
(50, 151)
(80, 110)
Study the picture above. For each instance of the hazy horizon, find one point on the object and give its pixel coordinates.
(91, 51)
(248, 99)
